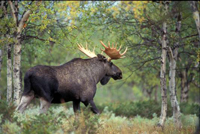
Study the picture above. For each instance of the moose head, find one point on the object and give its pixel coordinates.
(114, 54)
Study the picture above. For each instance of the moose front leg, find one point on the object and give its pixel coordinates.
(93, 107)
(76, 106)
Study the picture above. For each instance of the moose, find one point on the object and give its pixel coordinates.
(73, 81)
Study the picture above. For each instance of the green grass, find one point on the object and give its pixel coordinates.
(60, 119)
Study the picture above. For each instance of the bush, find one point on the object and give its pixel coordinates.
(147, 108)
(60, 119)
(6, 111)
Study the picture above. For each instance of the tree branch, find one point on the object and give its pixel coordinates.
(13, 11)
(169, 50)
(30, 36)
(23, 20)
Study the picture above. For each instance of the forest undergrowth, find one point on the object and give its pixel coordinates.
(60, 119)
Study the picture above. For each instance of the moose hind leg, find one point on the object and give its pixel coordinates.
(44, 105)
(25, 101)
(93, 107)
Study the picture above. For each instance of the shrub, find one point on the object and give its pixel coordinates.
(147, 108)
(6, 111)
(60, 119)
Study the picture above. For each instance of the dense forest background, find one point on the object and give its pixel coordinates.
(47, 33)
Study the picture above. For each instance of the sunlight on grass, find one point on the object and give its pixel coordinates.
(60, 120)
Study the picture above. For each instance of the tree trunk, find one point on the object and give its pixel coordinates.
(155, 94)
(9, 59)
(9, 73)
(172, 87)
(194, 6)
(163, 78)
(17, 49)
(16, 71)
(184, 86)
(172, 76)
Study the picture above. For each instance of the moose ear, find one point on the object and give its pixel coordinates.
(101, 58)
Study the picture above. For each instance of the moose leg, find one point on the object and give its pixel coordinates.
(25, 101)
(93, 108)
(76, 106)
(44, 105)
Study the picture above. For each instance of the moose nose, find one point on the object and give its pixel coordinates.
(120, 75)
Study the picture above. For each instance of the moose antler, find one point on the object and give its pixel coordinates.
(113, 53)
(86, 51)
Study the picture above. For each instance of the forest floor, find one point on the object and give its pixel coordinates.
(61, 120)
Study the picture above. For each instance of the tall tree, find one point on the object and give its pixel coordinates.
(172, 86)
(173, 53)
(17, 47)
(9, 73)
(163, 72)
(6, 34)
(194, 7)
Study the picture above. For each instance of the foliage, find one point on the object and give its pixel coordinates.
(6, 111)
(50, 35)
(58, 119)
(148, 108)
(54, 28)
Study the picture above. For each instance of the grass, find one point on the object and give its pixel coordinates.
(61, 120)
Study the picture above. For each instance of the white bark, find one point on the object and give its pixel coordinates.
(163, 71)
(172, 87)
(195, 11)
(9, 74)
(16, 71)
(163, 78)
(17, 50)
(172, 76)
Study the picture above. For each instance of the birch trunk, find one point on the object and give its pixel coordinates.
(172, 87)
(17, 50)
(194, 6)
(16, 70)
(9, 59)
(172, 75)
(9, 73)
(184, 86)
(163, 78)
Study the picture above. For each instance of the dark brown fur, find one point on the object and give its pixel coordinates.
(73, 81)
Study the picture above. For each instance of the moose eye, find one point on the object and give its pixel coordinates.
(111, 63)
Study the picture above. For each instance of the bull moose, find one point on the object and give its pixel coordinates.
(73, 81)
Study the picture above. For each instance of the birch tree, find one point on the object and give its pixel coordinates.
(172, 86)
(172, 74)
(194, 7)
(39, 16)
(8, 42)
(9, 73)
(17, 47)
(163, 85)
